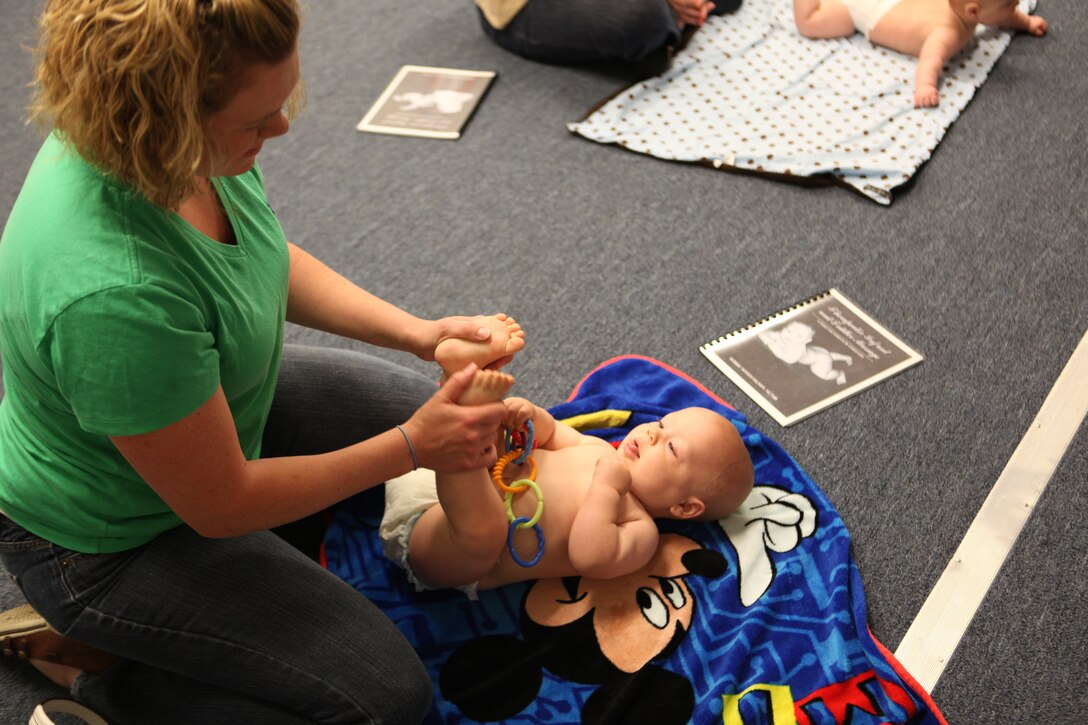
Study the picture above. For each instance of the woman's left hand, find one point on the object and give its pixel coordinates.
(432, 332)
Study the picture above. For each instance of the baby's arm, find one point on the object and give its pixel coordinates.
(1019, 20)
(548, 433)
(941, 44)
(612, 534)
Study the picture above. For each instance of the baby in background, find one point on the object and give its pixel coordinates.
(450, 529)
(931, 30)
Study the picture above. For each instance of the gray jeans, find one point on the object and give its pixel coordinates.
(247, 629)
(577, 31)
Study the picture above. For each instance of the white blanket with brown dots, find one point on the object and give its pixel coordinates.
(750, 93)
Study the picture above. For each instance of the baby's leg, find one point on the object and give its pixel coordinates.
(822, 19)
(460, 540)
(487, 386)
(821, 363)
(507, 337)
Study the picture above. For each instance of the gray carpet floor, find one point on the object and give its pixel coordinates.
(597, 251)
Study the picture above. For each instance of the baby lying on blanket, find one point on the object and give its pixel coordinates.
(931, 30)
(451, 529)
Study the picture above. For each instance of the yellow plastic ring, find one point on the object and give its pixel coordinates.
(509, 498)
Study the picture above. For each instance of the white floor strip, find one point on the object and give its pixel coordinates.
(946, 613)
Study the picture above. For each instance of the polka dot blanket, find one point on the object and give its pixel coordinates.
(750, 93)
(755, 619)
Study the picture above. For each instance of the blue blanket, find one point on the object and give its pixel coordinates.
(758, 618)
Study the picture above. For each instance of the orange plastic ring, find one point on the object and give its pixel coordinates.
(500, 467)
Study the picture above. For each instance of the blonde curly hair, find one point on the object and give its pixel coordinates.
(129, 83)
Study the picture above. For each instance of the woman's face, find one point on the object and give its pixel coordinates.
(994, 12)
(255, 113)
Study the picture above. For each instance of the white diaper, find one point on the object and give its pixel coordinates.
(406, 498)
(867, 13)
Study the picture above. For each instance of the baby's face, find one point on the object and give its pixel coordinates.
(672, 458)
(797, 332)
(994, 12)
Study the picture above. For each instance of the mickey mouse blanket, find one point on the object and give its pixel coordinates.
(757, 619)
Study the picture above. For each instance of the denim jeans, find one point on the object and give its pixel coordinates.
(580, 31)
(246, 629)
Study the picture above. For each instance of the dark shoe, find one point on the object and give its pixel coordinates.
(724, 7)
(26, 635)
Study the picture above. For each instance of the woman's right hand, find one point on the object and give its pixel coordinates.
(451, 437)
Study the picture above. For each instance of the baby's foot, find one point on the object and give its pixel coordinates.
(507, 337)
(487, 386)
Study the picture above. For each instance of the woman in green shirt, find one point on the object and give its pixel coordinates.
(154, 426)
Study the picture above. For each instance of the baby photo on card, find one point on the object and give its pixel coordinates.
(810, 356)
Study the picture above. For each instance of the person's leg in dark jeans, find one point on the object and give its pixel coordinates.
(576, 31)
(328, 399)
(245, 629)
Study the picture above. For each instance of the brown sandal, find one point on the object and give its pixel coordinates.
(25, 634)
(20, 622)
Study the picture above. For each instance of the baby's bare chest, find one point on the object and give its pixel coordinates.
(563, 477)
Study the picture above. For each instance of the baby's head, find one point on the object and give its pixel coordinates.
(797, 331)
(692, 464)
(986, 12)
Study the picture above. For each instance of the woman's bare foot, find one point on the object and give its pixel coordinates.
(62, 675)
(507, 338)
(487, 386)
(59, 658)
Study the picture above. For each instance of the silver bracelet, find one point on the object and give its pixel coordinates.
(415, 461)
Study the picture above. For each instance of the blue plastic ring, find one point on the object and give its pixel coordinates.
(510, 542)
(528, 444)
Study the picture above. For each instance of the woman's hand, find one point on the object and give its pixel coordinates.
(489, 341)
(429, 333)
(451, 437)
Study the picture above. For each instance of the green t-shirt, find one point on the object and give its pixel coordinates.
(117, 318)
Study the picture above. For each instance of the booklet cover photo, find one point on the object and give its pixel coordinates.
(809, 356)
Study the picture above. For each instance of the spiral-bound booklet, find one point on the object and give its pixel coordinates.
(810, 356)
(426, 101)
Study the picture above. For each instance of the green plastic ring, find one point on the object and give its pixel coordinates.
(509, 498)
